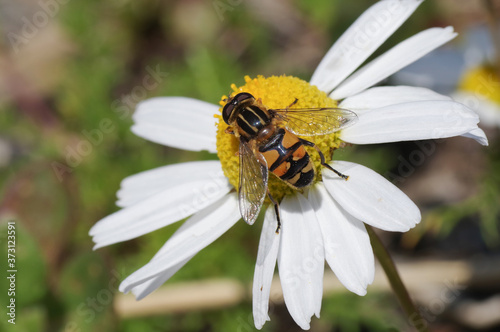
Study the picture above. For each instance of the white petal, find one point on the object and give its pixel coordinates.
(264, 268)
(489, 111)
(162, 209)
(301, 259)
(478, 135)
(393, 60)
(142, 290)
(371, 198)
(358, 42)
(383, 96)
(347, 246)
(195, 234)
(178, 122)
(138, 187)
(411, 121)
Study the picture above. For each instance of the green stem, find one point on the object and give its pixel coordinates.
(385, 260)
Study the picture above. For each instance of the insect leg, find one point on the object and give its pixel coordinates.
(343, 176)
(276, 208)
(294, 102)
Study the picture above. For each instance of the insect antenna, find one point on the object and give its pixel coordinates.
(228, 97)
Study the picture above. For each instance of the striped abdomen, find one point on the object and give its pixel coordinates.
(287, 159)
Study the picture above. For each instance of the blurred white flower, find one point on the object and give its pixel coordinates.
(460, 71)
(479, 89)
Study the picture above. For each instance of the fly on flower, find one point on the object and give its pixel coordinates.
(326, 222)
(268, 142)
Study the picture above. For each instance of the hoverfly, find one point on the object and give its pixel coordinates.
(269, 142)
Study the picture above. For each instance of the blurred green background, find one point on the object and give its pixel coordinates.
(68, 86)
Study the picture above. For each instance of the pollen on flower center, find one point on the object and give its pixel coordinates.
(276, 92)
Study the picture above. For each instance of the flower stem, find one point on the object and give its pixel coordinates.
(397, 285)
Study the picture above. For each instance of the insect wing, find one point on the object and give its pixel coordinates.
(316, 121)
(253, 184)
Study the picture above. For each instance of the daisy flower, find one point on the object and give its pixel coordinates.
(324, 222)
(479, 89)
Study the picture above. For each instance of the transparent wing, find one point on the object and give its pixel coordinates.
(315, 121)
(253, 184)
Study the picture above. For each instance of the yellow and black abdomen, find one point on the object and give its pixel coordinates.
(287, 159)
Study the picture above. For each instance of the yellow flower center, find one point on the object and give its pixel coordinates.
(276, 92)
(483, 81)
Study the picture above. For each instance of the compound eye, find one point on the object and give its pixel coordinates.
(242, 97)
(227, 111)
(229, 108)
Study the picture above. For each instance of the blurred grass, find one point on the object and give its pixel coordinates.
(110, 46)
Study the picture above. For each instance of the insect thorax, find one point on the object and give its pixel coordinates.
(251, 120)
